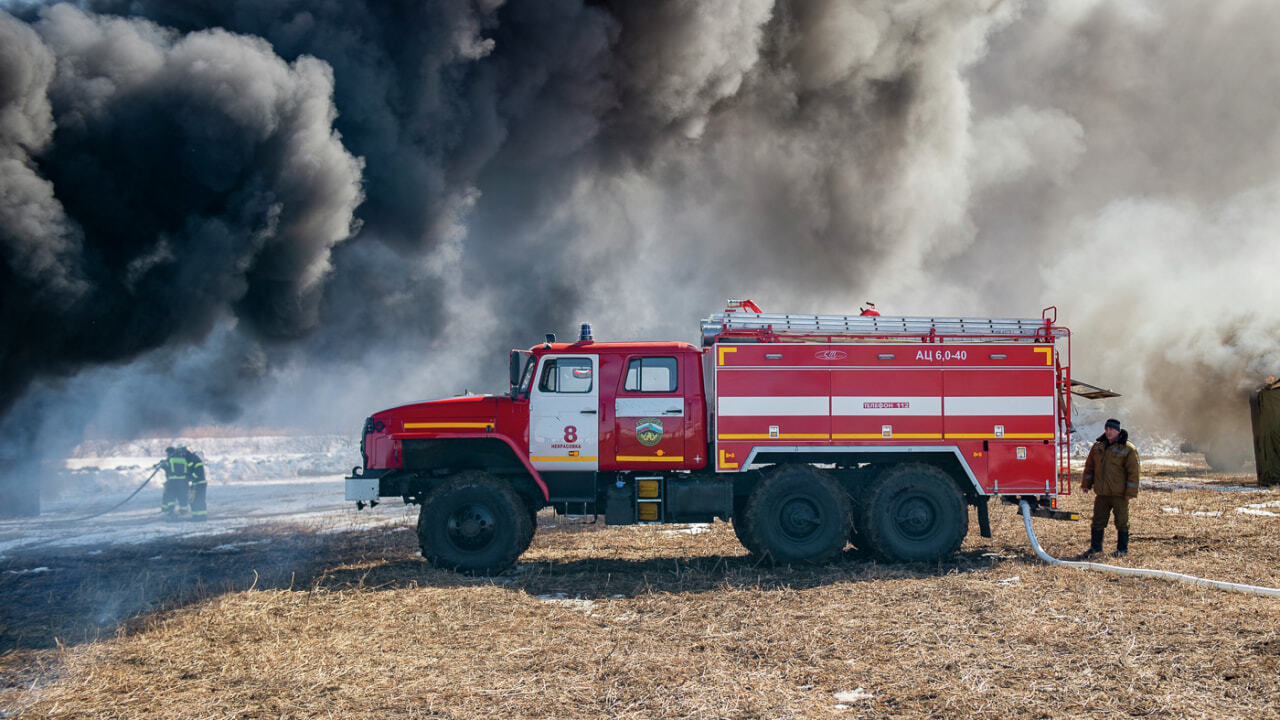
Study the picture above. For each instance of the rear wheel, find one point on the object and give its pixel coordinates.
(474, 523)
(914, 513)
(798, 513)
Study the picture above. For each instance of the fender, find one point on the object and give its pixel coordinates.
(950, 450)
(522, 456)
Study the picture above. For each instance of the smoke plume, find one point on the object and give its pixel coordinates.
(305, 210)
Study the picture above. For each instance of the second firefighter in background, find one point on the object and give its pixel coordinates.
(184, 484)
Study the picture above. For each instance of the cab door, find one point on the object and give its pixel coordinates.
(650, 414)
(564, 412)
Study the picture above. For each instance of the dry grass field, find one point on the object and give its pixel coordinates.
(640, 622)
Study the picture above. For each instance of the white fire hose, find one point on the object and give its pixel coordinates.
(1140, 572)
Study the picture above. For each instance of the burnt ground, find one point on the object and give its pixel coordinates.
(291, 621)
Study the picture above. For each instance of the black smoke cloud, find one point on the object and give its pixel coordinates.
(248, 201)
(160, 183)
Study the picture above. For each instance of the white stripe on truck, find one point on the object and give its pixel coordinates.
(997, 405)
(780, 405)
(884, 405)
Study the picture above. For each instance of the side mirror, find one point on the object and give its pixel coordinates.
(514, 370)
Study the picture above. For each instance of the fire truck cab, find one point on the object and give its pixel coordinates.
(807, 432)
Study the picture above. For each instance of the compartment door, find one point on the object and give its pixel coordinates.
(1022, 468)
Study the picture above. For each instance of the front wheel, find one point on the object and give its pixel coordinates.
(474, 523)
(914, 513)
(798, 513)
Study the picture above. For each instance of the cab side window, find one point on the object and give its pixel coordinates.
(651, 375)
(566, 375)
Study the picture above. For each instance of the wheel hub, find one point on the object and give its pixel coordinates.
(799, 517)
(916, 516)
(471, 527)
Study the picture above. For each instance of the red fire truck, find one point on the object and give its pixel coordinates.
(808, 432)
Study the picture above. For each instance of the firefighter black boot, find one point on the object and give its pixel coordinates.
(1122, 543)
(1095, 542)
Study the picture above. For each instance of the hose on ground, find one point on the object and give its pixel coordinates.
(1139, 572)
(46, 541)
(122, 502)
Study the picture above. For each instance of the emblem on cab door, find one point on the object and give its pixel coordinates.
(831, 354)
(649, 431)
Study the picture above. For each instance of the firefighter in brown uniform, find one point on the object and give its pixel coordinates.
(1112, 473)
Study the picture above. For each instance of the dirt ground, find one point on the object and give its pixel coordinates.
(640, 622)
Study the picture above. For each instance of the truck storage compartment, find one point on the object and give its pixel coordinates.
(690, 501)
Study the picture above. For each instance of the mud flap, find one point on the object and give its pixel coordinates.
(984, 517)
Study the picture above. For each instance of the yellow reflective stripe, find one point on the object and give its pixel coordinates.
(767, 436)
(1006, 436)
(881, 436)
(720, 351)
(724, 462)
(650, 458)
(430, 425)
(564, 458)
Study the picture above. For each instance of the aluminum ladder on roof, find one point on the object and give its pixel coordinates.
(877, 326)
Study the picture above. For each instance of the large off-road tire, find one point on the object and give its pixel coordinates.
(742, 526)
(798, 513)
(474, 522)
(914, 513)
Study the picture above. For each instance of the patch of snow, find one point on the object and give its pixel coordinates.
(576, 602)
(102, 465)
(854, 695)
(232, 546)
(1194, 513)
(691, 529)
(1167, 462)
(1259, 509)
(314, 502)
(1010, 581)
(1191, 484)
(27, 571)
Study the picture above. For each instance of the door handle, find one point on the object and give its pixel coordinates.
(673, 411)
(588, 412)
